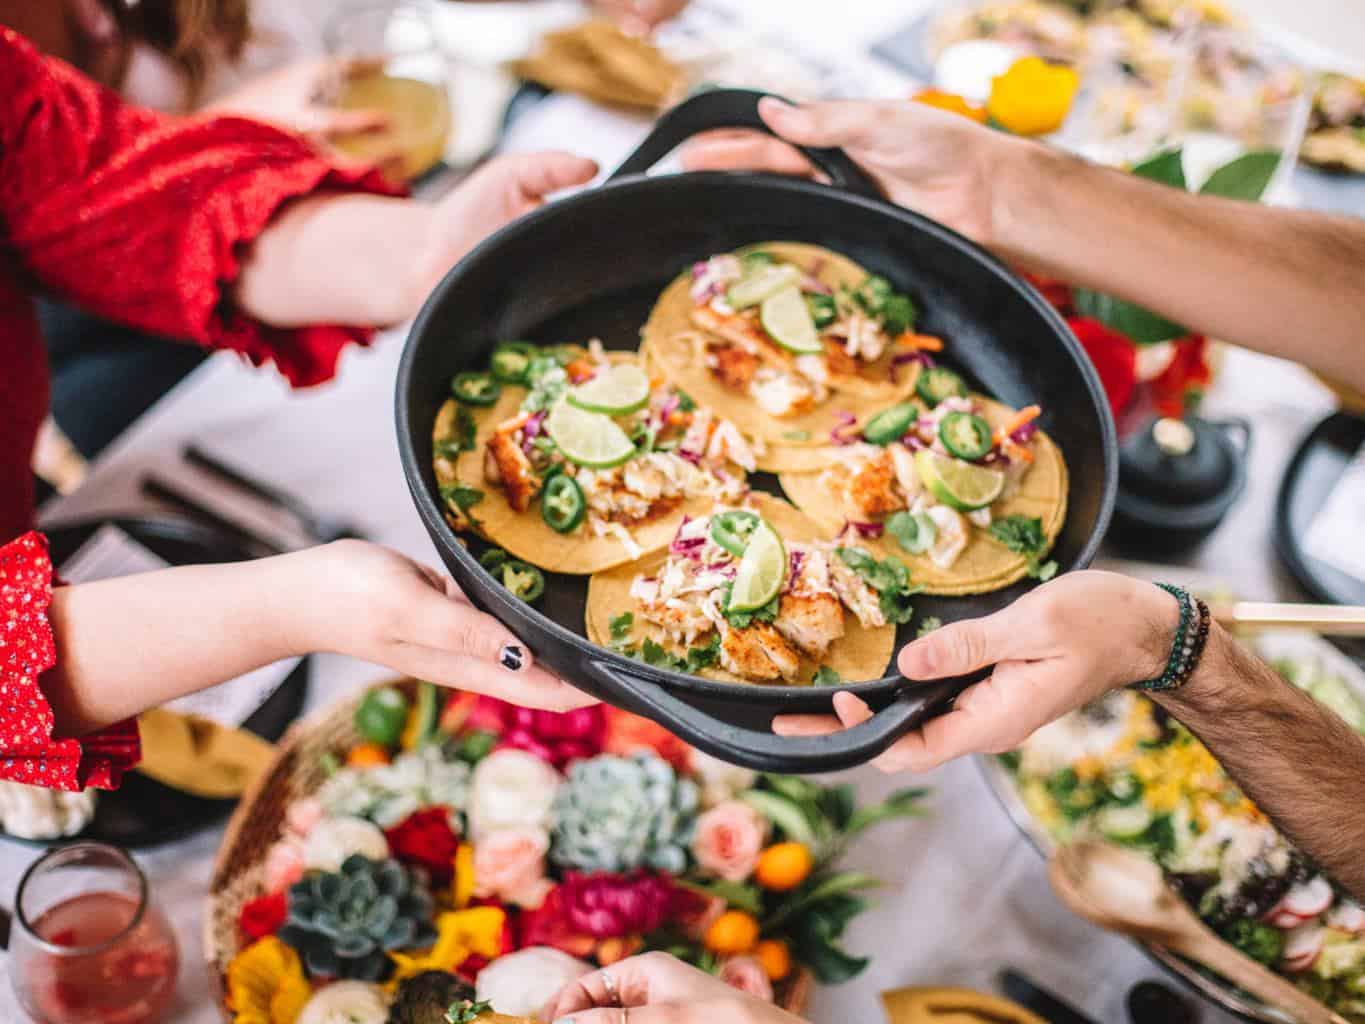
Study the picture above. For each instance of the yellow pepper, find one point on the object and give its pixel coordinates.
(459, 935)
(1032, 97)
(265, 984)
(951, 102)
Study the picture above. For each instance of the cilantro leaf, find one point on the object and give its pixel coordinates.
(466, 1011)
(685, 401)
(704, 655)
(463, 498)
(621, 625)
(927, 625)
(1024, 535)
(743, 620)
(654, 653)
(826, 676)
(888, 577)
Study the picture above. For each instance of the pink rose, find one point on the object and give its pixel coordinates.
(509, 865)
(284, 865)
(728, 840)
(747, 974)
(302, 815)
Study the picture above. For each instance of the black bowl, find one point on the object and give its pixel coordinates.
(592, 265)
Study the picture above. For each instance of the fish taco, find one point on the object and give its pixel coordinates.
(969, 492)
(792, 342)
(574, 460)
(754, 593)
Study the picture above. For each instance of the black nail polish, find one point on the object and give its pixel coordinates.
(511, 657)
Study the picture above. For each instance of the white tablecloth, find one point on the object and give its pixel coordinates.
(965, 894)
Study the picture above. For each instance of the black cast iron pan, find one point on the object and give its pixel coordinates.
(592, 265)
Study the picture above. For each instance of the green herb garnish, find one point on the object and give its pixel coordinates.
(621, 625)
(685, 402)
(826, 676)
(743, 620)
(1024, 535)
(888, 577)
(927, 625)
(704, 655)
(463, 498)
(466, 1011)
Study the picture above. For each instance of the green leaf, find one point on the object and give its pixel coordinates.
(927, 625)
(826, 676)
(783, 813)
(735, 894)
(1245, 178)
(466, 1011)
(815, 892)
(838, 804)
(830, 964)
(1140, 325)
(904, 803)
(1166, 167)
(621, 625)
(704, 655)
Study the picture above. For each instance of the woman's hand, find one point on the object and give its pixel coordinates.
(370, 261)
(658, 989)
(1053, 650)
(937, 163)
(372, 603)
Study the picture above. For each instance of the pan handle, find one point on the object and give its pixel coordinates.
(734, 108)
(766, 751)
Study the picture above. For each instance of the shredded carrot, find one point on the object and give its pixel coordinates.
(1021, 418)
(656, 382)
(1017, 452)
(678, 418)
(920, 342)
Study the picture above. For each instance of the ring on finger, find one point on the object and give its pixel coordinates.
(613, 993)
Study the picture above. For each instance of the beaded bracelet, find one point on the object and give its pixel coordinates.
(1190, 637)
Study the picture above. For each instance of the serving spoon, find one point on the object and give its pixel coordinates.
(1124, 892)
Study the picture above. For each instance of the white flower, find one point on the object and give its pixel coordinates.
(521, 983)
(334, 839)
(719, 780)
(34, 812)
(511, 789)
(346, 1002)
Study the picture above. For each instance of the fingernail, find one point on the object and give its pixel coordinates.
(511, 657)
(773, 105)
(918, 657)
(564, 1020)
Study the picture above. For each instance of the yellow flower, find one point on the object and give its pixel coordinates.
(1032, 97)
(265, 984)
(459, 935)
(462, 887)
(951, 102)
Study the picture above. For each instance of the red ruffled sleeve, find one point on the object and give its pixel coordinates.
(141, 218)
(28, 753)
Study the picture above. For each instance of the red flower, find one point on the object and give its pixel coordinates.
(1114, 356)
(425, 839)
(1184, 379)
(607, 906)
(263, 916)
(627, 733)
(555, 737)
(548, 925)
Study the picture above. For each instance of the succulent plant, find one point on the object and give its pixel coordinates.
(343, 923)
(620, 813)
(389, 793)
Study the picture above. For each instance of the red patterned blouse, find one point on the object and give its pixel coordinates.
(139, 218)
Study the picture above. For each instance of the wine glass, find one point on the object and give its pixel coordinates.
(89, 946)
(388, 59)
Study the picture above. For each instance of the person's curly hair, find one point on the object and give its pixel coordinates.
(191, 33)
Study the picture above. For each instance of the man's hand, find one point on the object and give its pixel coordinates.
(934, 162)
(1054, 649)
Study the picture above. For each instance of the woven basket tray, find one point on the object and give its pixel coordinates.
(258, 820)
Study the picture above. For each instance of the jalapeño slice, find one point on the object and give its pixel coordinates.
(475, 388)
(891, 424)
(937, 383)
(511, 361)
(524, 581)
(732, 530)
(562, 504)
(965, 435)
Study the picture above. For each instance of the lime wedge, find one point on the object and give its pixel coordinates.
(762, 283)
(587, 438)
(762, 570)
(786, 317)
(616, 390)
(960, 485)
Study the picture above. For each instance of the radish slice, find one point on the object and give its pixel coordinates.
(1309, 899)
(1284, 919)
(1269, 916)
(1348, 917)
(1302, 946)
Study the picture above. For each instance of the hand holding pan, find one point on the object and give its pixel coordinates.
(594, 263)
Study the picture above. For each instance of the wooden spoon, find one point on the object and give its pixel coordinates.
(1125, 892)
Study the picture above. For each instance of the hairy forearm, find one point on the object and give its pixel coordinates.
(1283, 282)
(1296, 760)
(124, 645)
(333, 259)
